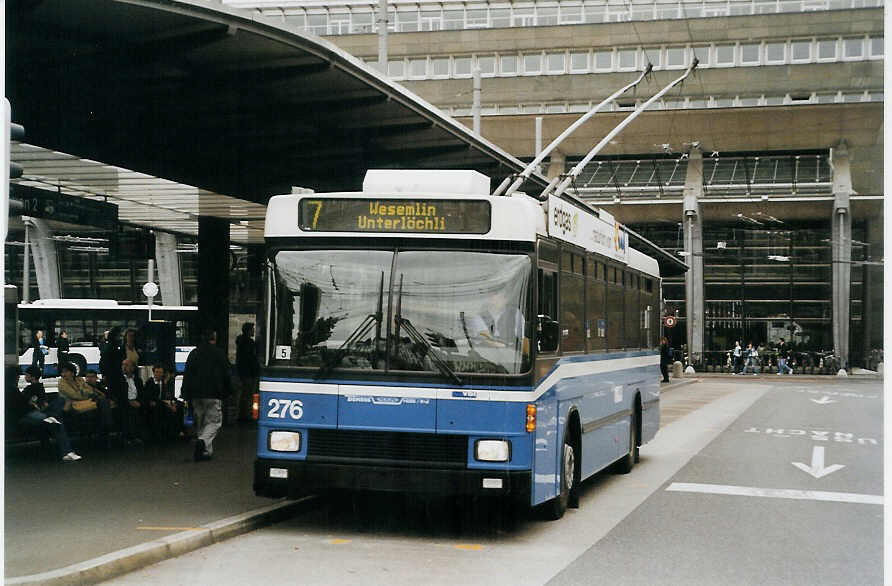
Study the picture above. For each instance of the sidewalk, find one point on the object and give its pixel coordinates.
(60, 514)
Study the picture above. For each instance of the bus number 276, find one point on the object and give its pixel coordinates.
(285, 408)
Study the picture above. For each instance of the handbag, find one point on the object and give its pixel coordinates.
(188, 419)
(83, 406)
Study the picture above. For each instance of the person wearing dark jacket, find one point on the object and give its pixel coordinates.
(665, 358)
(165, 416)
(248, 369)
(38, 344)
(111, 358)
(128, 392)
(206, 382)
(29, 409)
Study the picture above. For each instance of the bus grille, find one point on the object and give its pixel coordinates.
(386, 447)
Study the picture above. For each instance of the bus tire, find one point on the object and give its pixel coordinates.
(79, 362)
(558, 505)
(625, 464)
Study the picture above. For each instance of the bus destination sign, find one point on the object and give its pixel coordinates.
(418, 216)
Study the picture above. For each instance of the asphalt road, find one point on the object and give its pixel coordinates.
(671, 521)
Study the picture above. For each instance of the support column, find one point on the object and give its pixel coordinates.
(213, 277)
(841, 250)
(46, 261)
(693, 246)
(557, 164)
(168, 268)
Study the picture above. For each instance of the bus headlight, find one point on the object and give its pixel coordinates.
(492, 451)
(284, 441)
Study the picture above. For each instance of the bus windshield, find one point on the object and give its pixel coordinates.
(418, 311)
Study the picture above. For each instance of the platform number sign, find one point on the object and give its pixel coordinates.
(669, 321)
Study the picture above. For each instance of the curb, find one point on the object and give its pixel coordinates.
(678, 383)
(127, 560)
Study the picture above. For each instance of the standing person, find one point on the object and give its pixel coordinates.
(782, 352)
(751, 355)
(738, 357)
(665, 358)
(111, 357)
(38, 343)
(64, 345)
(248, 368)
(29, 409)
(131, 352)
(206, 381)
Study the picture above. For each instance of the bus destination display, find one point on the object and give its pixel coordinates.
(420, 216)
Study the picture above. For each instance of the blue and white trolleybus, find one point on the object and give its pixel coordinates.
(425, 336)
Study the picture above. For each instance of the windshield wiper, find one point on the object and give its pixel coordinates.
(419, 339)
(361, 331)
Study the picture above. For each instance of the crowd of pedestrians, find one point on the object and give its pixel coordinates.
(116, 404)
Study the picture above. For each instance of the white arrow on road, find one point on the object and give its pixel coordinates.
(817, 464)
(823, 400)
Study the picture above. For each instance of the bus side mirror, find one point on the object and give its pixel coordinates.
(309, 306)
(548, 332)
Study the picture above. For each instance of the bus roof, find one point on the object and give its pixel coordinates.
(99, 304)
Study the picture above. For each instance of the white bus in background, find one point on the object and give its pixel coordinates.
(87, 320)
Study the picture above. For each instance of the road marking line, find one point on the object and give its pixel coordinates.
(159, 528)
(778, 493)
(469, 546)
(340, 541)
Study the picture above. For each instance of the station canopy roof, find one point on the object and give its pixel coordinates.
(194, 108)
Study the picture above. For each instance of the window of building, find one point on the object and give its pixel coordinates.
(501, 17)
(546, 16)
(440, 66)
(362, 22)
(509, 110)
(627, 58)
(556, 62)
(853, 48)
(417, 67)
(508, 64)
(852, 97)
(396, 68)
(587, 107)
(675, 57)
(555, 108)
(594, 12)
(749, 54)
(487, 64)
(523, 17)
(579, 62)
(800, 51)
(697, 103)
(702, 53)
(531, 108)
(876, 96)
(461, 66)
(476, 18)
(431, 20)
(722, 102)
(317, 23)
(571, 14)
(298, 20)
(775, 52)
(532, 63)
(339, 23)
(774, 100)
(724, 55)
(453, 19)
(654, 55)
(603, 60)
(407, 22)
(826, 98)
(876, 46)
(827, 49)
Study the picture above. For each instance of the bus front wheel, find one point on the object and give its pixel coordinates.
(558, 505)
(627, 462)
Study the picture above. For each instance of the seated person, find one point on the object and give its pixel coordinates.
(165, 417)
(29, 409)
(127, 390)
(81, 398)
(91, 378)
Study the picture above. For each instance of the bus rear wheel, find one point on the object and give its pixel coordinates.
(625, 464)
(79, 362)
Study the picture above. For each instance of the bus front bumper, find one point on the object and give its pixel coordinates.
(277, 478)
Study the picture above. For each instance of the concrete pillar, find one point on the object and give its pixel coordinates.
(46, 261)
(841, 250)
(557, 164)
(213, 277)
(693, 246)
(168, 268)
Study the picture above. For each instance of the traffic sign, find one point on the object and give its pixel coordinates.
(669, 321)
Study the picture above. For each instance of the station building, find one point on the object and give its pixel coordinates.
(763, 169)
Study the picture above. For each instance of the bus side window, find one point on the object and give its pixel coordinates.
(548, 330)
